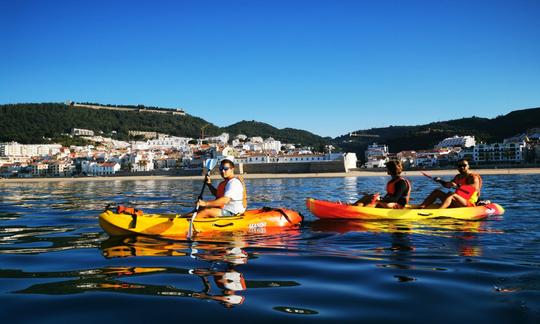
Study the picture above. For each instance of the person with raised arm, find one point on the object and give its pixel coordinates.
(467, 189)
(231, 198)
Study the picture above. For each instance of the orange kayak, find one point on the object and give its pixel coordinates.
(337, 210)
(263, 220)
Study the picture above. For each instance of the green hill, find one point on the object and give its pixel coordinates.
(32, 123)
(36, 123)
(400, 138)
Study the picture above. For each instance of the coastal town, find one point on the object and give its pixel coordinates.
(162, 154)
(157, 154)
(513, 151)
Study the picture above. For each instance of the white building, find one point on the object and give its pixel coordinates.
(255, 147)
(180, 143)
(271, 145)
(256, 139)
(376, 163)
(82, 132)
(455, 141)
(98, 169)
(375, 151)
(14, 149)
(146, 135)
(408, 158)
(221, 139)
(139, 146)
(376, 156)
(499, 152)
(427, 159)
(349, 159)
(61, 168)
(141, 162)
(165, 163)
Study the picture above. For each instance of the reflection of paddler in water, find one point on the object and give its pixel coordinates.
(233, 256)
(230, 282)
(221, 274)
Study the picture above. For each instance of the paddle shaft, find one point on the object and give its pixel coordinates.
(210, 165)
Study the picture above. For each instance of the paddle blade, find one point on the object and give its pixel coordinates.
(210, 164)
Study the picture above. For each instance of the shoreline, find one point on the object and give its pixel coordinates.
(276, 175)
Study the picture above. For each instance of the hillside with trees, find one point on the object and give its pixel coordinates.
(400, 138)
(46, 122)
(34, 123)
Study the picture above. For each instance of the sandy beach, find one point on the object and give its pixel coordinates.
(275, 175)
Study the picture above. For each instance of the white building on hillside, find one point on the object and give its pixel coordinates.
(221, 139)
(454, 141)
(82, 132)
(180, 143)
(271, 145)
(256, 139)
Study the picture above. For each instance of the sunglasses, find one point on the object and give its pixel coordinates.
(224, 168)
(462, 165)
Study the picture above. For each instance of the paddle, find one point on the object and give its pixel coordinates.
(210, 164)
(436, 179)
(465, 188)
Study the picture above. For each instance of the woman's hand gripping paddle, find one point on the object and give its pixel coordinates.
(210, 164)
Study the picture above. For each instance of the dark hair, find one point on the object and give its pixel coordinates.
(460, 161)
(227, 161)
(395, 167)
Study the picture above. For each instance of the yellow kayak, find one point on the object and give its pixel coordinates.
(263, 220)
(337, 210)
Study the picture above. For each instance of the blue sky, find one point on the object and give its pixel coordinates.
(329, 67)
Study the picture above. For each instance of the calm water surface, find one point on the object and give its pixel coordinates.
(56, 264)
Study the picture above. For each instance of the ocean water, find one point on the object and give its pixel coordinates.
(57, 265)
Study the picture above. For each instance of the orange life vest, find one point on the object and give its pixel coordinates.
(391, 188)
(221, 190)
(468, 191)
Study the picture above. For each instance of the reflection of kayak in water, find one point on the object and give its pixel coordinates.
(336, 210)
(263, 220)
(427, 226)
(139, 245)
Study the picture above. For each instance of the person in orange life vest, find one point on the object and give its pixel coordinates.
(230, 194)
(398, 190)
(467, 184)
